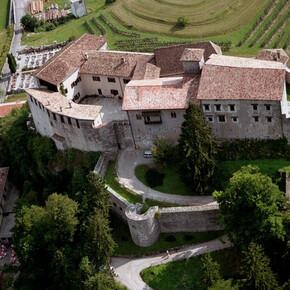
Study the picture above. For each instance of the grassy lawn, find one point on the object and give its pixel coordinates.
(16, 98)
(132, 197)
(267, 166)
(126, 246)
(4, 13)
(172, 183)
(188, 274)
(288, 91)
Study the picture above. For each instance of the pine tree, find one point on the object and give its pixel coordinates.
(256, 267)
(12, 63)
(196, 149)
(211, 271)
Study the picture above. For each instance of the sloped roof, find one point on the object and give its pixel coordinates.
(192, 54)
(115, 63)
(6, 108)
(157, 94)
(168, 58)
(237, 78)
(273, 55)
(69, 59)
(151, 71)
(58, 104)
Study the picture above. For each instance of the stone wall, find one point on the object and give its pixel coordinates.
(189, 219)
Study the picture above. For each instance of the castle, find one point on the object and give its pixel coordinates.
(94, 99)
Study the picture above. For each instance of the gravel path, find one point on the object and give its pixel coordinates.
(128, 270)
(129, 159)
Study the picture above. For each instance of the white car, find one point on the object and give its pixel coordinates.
(147, 154)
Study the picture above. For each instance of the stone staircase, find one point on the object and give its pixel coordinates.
(102, 165)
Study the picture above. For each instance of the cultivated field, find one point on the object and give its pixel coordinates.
(241, 27)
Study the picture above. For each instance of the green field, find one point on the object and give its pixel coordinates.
(4, 13)
(247, 26)
(188, 274)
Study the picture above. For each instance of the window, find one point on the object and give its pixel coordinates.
(96, 79)
(218, 107)
(269, 119)
(268, 107)
(78, 125)
(235, 119)
(69, 120)
(222, 119)
(54, 116)
(256, 119)
(31, 99)
(210, 119)
(61, 118)
(232, 108)
(152, 117)
(138, 116)
(65, 91)
(255, 107)
(114, 92)
(126, 81)
(111, 80)
(173, 115)
(48, 113)
(76, 96)
(206, 107)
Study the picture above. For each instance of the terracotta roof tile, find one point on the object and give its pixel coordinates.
(6, 108)
(57, 103)
(237, 78)
(69, 59)
(273, 55)
(157, 94)
(192, 54)
(115, 63)
(168, 58)
(151, 72)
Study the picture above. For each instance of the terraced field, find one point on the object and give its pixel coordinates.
(205, 17)
(241, 27)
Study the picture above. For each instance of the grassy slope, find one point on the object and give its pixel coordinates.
(16, 98)
(126, 246)
(187, 274)
(4, 13)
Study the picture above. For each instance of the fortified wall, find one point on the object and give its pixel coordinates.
(146, 228)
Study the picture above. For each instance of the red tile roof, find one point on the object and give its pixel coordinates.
(115, 63)
(6, 108)
(237, 78)
(192, 54)
(3, 179)
(168, 58)
(69, 59)
(157, 94)
(273, 55)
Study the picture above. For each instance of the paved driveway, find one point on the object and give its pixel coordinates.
(129, 159)
(128, 270)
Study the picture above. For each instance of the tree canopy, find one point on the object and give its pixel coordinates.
(196, 149)
(250, 208)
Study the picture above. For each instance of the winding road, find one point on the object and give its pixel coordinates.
(129, 159)
(128, 270)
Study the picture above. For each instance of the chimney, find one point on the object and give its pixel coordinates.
(69, 103)
(278, 54)
(122, 59)
(48, 103)
(60, 109)
(86, 56)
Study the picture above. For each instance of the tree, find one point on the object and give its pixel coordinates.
(181, 22)
(224, 285)
(250, 208)
(99, 242)
(163, 151)
(102, 282)
(211, 270)
(196, 149)
(12, 63)
(29, 22)
(256, 268)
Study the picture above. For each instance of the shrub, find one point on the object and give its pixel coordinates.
(188, 237)
(163, 151)
(154, 178)
(12, 63)
(158, 214)
(29, 22)
(181, 22)
(170, 239)
(110, 2)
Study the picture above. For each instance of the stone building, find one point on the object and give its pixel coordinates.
(78, 8)
(94, 99)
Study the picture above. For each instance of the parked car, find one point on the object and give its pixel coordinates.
(147, 154)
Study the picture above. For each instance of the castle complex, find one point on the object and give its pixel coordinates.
(94, 99)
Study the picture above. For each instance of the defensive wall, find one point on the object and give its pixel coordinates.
(146, 228)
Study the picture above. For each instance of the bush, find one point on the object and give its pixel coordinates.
(29, 22)
(188, 237)
(154, 178)
(163, 151)
(181, 22)
(12, 63)
(170, 239)
(110, 2)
